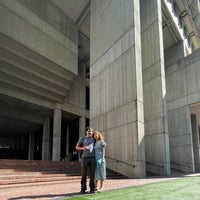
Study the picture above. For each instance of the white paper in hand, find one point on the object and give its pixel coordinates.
(90, 147)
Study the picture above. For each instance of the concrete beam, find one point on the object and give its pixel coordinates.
(21, 115)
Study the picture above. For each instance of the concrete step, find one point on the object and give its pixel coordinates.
(33, 175)
(24, 173)
(33, 184)
(11, 173)
(38, 179)
(38, 165)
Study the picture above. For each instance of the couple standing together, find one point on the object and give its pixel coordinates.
(92, 146)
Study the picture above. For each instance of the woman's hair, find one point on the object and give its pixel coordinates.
(100, 135)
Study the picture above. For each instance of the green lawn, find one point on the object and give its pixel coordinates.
(179, 189)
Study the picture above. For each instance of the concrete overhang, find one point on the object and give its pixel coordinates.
(31, 83)
(30, 73)
(189, 23)
(172, 30)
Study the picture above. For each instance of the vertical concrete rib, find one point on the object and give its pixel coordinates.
(116, 87)
(155, 108)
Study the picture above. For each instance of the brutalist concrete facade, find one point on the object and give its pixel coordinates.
(135, 96)
(144, 62)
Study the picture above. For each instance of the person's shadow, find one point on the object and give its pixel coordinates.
(46, 196)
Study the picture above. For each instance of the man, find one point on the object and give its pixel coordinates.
(88, 162)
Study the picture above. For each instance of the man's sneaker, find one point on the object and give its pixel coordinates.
(92, 191)
(83, 192)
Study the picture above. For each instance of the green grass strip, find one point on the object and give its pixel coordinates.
(180, 189)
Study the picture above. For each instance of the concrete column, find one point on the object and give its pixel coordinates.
(155, 107)
(181, 139)
(82, 125)
(56, 134)
(46, 140)
(197, 167)
(116, 88)
(195, 139)
(67, 141)
(31, 147)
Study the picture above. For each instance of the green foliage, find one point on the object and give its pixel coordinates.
(180, 189)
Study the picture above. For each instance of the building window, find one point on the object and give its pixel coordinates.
(185, 32)
(87, 100)
(87, 122)
(180, 22)
(175, 8)
(87, 72)
(192, 47)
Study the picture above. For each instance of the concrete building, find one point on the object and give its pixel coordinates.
(128, 68)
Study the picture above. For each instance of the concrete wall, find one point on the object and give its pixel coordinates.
(116, 83)
(183, 89)
(174, 53)
(75, 101)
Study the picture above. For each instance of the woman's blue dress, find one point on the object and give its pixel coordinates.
(100, 171)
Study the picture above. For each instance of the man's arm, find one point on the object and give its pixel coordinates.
(80, 147)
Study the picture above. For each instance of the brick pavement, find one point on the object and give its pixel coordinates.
(66, 189)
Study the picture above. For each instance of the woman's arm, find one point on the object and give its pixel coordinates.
(103, 152)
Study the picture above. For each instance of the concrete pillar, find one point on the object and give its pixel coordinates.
(181, 139)
(31, 147)
(56, 134)
(195, 139)
(116, 88)
(155, 107)
(67, 141)
(46, 140)
(82, 125)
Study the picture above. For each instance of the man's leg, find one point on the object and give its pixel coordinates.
(92, 173)
(84, 166)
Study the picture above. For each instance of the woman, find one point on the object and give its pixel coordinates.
(99, 148)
